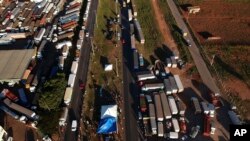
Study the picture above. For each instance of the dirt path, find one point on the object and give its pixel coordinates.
(165, 31)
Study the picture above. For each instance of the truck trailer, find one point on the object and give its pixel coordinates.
(158, 107)
(172, 105)
(165, 106)
(68, 95)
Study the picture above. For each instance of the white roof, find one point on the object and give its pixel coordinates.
(108, 111)
(108, 67)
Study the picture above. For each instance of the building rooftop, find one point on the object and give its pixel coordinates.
(13, 63)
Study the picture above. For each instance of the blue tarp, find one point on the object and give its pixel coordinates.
(107, 125)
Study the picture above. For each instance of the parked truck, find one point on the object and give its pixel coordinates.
(68, 95)
(136, 61)
(158, 107)
(23, 97)
(173, 84)
(153, 126)
(74, 67)
(172, 105)
(8, 111)
(176, 125)
(165, 106)
(64, 116)
(133, 42)
(179, 83)
(160, 129)
(145, 75)
(7, 93)
(181, 106)
(130, 15)
(167, 85)
(173, 135)
(154, 86)
(196, 105)
(143, 105)
(205, 107)
(39, 36)
(206, 125)
(71, 80)
(139, 31)
(151, 110)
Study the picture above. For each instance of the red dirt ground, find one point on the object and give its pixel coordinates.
(230, 21)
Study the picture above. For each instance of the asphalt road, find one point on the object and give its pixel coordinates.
(82, 72)
(130, 91)
(198, 60)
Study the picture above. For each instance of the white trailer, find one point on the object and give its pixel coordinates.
(165, 106)
(168, 88)
(61, 62)
(160, 129)
(63, 117)
(61, 44)
(158, 107)
(79, 43)
(39, 36)
(179, 83)
(173, 135)
(153, 86)
(76, 9)
(74, 67)
(151, 110)
(205, 107)
(68, 95)
(172, 105)
(71, 80)
(145, 75)
(65, 51)
(153, 126)
(211, 110)
(139, 31)
(173, 84)
(130, 15)
(176, 125)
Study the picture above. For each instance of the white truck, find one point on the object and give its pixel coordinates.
(173, 84)
(71, 80)
(130, 15)
(176, 125)
(168, 88)
(153, 86)
(68, 95)
(145, 75)
(160, 129)
(178, 83)
(172, 105)
(74, 67)
(153, 126)
(205, 107)
(63, 117)
(173, 135)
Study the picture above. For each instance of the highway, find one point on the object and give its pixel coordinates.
(198, 60)
(82, 72)
(130, 91)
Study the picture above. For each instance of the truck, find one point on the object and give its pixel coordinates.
(153, 126)
(30, 114)
(61, 44)
(174, 62)
(74, 67)
(81, 34)
(68, 95)
(160, 129)
(181, 106)
(71, 80)
(139, 31)
(61, 62)
(158, 107)
(143, 105)
(211, 109)
(215, 99)
(41, 48)
(79, 43)
(205, 107)
(23, 97)
(167, 85)
(183, 125)
(132, 30)
(130, 15)
(206, 125)
(136, 61)
(145, 75)
(151, 110)
(165, 106)
(176, 125)
(67, 35)
(173, 135)
(153, 86)
(65, 51)
(7, 93)
(173, 84)
(179, 83)
(64, 116)
(172, 105)
(39, 36)
(133, 42)
(148, 98)
(213, 128)
(234, 118)
(8, 111)
(196, 105)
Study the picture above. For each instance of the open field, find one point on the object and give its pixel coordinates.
(228, 20)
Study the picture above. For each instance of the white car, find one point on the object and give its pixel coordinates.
(74, 125)
(87, 34)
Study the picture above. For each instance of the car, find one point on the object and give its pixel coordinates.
(188, 43)
(194, 131)
(82, 86)
(74, 125)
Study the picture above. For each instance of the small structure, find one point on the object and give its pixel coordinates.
(193, 9)
(108, 67)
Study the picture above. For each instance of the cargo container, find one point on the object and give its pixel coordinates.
(74, 6)
(206, 125)
(174, 62)
(178, 83)
(145, 75)
(176, 125)
(172, 105)
(67, 35)
(160, 129)
(41, 48)
(151, 110)
(173, 84)
(155, 86)
(23, 97)
(8, 111)
(167, 85)
(165, 106)
(9, 95)
(205, 107)
(158, 107)
(61, 62)
(20, 109)
(68, 95)
(64, 116)
(76, 9)
(39, 36)
(68, 24)
(79, 43)
(153, 126)
(181, 107)
(136, 61)
(139, 31)
(71, 80)
(173, 135)
(74, 67)
(133, 42)
(143, 105)
(234, 118)
(61, 44)
(196, 105)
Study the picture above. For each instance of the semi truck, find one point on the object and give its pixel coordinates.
(143, 105)
(176, 125)
(7, 93)
(130, 15)
(79, 43)
(160, 129)
(154, 86)
(141, 60)
(172, 105)
(63, 117)
(74, 67)
(133, 42)
(136, 61)
(8, 111)
(174, 62)
(23, 97)
(196, 105)
(173, 135)
(173, 84)
(20, 109)
(61, 62)
(71, 80)
(68, 95)
(206, 125)
(179, 83)
(145, 75)
(153, 126)
(41, 48)
(158, 107)
(205, 107)
(151, 110)
(181, 107)
(167, 85)
(139, 31)
(165, 106)
(39, 36)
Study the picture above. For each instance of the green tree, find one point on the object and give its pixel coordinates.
(52, 93)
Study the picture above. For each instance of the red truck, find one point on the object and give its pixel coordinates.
(207, 128)
(10, 95)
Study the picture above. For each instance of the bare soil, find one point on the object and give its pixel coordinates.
(228, 20)
(238, 87)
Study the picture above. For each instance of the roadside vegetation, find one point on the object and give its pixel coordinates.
(169, 19)
(101, 84)
(153, 37)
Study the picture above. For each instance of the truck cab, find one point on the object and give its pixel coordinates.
(74, 125)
